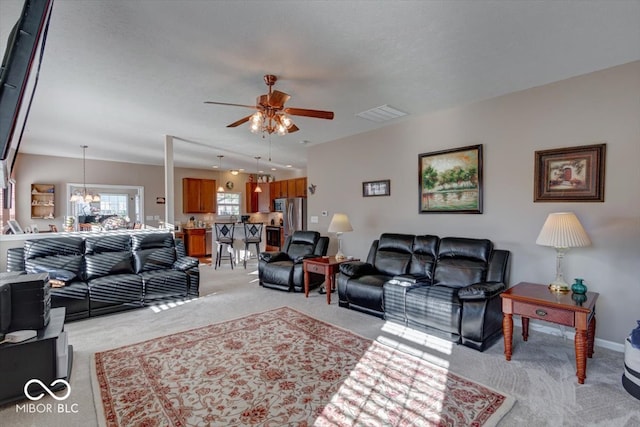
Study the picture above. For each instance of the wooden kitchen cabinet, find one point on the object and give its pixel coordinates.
(195, 242)
(198, 195)
(291, 188)
(258, 202)
(301, 187)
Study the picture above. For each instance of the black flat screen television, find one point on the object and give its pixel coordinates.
(19, 79)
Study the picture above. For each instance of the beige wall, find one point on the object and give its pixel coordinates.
(59, 171)
(598, 107)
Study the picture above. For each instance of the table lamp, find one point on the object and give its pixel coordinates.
(562, 230)
(340, 224)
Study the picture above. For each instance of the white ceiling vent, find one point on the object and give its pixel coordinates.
(381, 113)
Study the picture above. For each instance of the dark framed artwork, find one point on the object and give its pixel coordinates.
(450, 181)
(376, 188)
(572, 174)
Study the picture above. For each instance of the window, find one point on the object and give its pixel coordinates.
(228, 203)
(114, 204)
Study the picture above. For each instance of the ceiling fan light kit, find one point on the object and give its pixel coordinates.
(271, 115)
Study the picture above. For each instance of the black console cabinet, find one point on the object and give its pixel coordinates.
(46, 358)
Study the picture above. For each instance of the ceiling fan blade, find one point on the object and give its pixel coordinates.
(232, 105)
(318, 114)
(277, 99)
(239, 122)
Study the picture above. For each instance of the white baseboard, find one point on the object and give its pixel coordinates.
(570, 333)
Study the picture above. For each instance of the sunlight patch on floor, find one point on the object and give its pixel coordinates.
(158, 308)
(422, 339)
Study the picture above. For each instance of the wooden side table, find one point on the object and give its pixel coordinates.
(531, 300)
(327, 266)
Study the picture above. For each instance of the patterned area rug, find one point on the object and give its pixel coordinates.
(280, 368)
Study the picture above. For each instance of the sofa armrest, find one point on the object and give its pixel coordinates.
(481, 291)
(357, 268)
(301, 258)
(185, 263)
(273, 256)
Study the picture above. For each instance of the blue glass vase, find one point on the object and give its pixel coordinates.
(579, 287)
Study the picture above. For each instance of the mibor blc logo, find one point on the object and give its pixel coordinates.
(50, 408)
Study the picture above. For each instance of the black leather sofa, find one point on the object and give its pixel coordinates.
(109, 272)
(447, 287)
(282, 270)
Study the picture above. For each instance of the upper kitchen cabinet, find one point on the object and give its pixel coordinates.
(198, 195)
(301, 187)
(258, 202)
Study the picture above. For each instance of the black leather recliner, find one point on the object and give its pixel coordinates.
(447, 287)
(282, 270)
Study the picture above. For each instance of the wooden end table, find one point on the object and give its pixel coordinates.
(327, 266)
(535, 301)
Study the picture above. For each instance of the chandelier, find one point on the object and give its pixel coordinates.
(270, 121)
(85, 196)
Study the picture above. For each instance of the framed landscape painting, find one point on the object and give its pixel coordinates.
(573, 174)
(450, 181)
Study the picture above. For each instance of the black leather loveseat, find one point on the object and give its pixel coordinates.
(108, 272)
(282, 270)
(447, 287)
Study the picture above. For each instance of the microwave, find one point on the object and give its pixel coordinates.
(279, 205)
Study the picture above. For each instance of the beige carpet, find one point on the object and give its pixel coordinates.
(541, 375)
(282, 367)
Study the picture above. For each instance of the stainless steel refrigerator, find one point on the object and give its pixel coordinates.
(294, 215)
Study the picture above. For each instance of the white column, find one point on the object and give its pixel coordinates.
(169, 195)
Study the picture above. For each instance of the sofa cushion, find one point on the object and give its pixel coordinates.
(108, 243)
(366, 291)
(163, 284)
(154, 259)
(279, 272)
(55, 273)
(394, 254)
(108, 263)
(54, 246)
(151, 240)
(462, 261)
(436, 307)
(58, 265)
(425, 254)
(116, 289)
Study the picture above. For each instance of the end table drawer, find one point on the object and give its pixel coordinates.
(550, 314)
(315, 268)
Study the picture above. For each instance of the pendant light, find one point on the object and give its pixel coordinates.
(85, 196)
(258, 189)
(220, 187)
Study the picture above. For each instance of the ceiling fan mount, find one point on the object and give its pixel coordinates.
(271, 115)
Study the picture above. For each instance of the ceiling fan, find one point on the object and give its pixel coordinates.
(271, 115)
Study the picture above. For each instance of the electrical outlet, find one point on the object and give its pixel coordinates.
(157, 217)
(149, 217)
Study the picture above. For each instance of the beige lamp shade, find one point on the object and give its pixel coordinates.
(340, 223)
(563, 230)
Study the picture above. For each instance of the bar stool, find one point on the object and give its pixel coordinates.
(224, 236)
(252, 235)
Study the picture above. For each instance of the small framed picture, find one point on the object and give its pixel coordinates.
(376, 188)
(572, 174)
(15, 227)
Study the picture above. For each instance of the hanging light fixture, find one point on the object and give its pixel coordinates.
(220, 187)
(85, 197)
(258, 189)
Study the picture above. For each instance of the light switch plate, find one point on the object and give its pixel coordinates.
(314, 219)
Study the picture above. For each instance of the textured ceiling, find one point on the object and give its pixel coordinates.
(119, 75)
